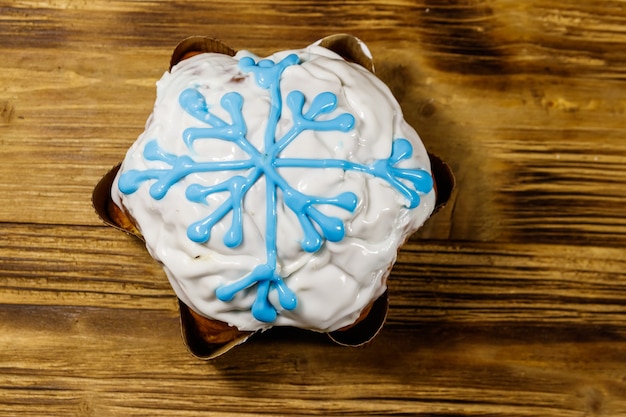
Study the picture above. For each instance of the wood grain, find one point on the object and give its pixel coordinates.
(510, 302)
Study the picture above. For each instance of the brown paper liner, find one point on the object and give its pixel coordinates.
(443, 181)
(101, 198)
(349, 48)
(195, 45)
(207, 338)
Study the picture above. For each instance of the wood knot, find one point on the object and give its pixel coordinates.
(592, 400)
(7, 112)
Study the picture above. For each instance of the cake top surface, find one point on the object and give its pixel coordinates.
(276, 191)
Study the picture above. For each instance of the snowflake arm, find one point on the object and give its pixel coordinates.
(267, 74)
(236, 186)
(323, 103)
(303, 206)
(181, 166)
(385, 169)
(266, 278)
(194, 103)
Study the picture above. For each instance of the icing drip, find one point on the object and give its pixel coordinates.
(265, 163)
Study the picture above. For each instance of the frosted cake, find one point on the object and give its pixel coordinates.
(274, 191)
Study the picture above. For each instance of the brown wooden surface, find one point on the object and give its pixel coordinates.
(510, 302)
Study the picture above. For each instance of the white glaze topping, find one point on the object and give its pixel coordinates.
(332, 285)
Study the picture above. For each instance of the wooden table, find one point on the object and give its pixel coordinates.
(510, 302)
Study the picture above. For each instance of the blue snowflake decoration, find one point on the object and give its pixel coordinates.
(316, 226)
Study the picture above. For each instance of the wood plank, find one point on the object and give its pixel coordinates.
(51, 265)
(581, 116)
(459, 282)
(132, 363)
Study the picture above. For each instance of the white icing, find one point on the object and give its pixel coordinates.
(332, 285)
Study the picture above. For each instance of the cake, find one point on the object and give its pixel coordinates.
(274, 191)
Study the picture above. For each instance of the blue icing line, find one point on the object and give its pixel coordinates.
(316, 226)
